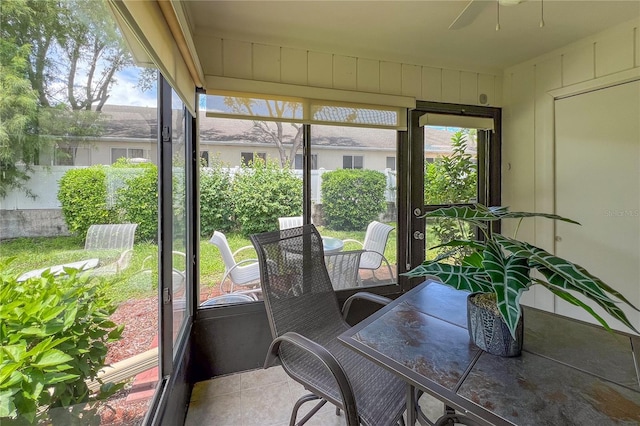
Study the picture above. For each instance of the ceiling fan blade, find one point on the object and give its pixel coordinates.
(468, 14)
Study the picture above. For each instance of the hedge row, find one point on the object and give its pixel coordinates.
(250, 202)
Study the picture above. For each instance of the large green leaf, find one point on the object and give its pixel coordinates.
(460, 277)
(554, 279)
(53, 378)
(574, 274)
(475, 215)
(51, 357)
(574, 301)
(9, 375)
(7, 407)
(510, 277)
(521, 215)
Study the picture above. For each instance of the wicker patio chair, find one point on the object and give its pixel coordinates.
(305, 320)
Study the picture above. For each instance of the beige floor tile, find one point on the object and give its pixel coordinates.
(265, 398)
(215, 387)
(262, 377)
(223, 410)
(431, 407)
(266, 405)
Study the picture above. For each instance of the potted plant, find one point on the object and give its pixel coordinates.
(497, 269)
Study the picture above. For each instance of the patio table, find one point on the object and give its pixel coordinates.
(569, 373)
(332, 244)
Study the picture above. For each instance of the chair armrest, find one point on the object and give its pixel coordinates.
(349, 240)
(365, 296)
(124, 259)
(328, 360)
(242, 248)
(242, 262)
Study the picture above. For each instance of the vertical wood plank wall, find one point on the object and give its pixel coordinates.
(528, 126)
(270, 63)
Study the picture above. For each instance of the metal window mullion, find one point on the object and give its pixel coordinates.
(165, 227)
(306, 170)
(192, 285)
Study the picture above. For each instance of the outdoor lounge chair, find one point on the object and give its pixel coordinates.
(375, 242)
(112, 237)
(305, 320)
(101, 241)
(243, 273)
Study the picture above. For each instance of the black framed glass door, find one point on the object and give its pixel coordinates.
(454, 159)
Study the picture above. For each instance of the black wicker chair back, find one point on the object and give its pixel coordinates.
(305, 321)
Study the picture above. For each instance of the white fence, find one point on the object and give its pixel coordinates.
(45, 180)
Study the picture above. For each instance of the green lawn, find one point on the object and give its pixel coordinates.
(136, 281)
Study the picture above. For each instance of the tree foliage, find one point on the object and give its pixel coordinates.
(58, 60)
(18, 110)
(272, 131)
(451, 179)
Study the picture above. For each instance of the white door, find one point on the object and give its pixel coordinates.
(598, 184)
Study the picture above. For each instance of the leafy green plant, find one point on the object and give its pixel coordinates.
(83, 196)
(502, 266)
(216, 200)
(53, 339)
(136, 197)
(352, 198)
(263, 192)
(451, 179)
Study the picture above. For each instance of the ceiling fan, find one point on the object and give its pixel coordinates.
(474, 8)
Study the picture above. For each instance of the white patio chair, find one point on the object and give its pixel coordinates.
(343, 268)
(243, 273)
(289, 222)
(375, 242)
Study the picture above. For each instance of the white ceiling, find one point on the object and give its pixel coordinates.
(414, 32)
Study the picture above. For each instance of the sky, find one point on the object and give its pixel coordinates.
(126, 92)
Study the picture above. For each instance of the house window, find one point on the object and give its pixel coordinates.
(352, 161)
(204, 158)
(247, 157)
(391, 163)
(117, 153)
(298, 162)
(63, 157)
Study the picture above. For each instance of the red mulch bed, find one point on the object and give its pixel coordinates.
(140, 319)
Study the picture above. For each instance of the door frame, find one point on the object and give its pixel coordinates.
(489, 157)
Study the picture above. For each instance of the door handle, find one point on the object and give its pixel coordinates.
(417, 235)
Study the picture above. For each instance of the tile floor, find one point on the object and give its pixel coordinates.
(265, 398)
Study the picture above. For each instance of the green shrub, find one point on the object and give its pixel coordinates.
(216, 200)
(53, 338)
(84, 198)
(137, 197)
(352, 198)
(263, 192)
(451, 179)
